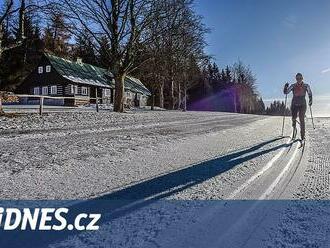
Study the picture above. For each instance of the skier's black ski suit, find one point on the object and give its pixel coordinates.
(298, 104)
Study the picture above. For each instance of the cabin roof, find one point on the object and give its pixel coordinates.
(136, 85)
(92, 75)
(81, 72)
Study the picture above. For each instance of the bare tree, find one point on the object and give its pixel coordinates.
(193, 46)
(187, 48)
(172, 52)
(123, 23)
(7, 12)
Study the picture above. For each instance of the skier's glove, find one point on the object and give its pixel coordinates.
(310, 101)
(286, 86)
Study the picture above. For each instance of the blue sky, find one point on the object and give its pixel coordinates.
(276, 38)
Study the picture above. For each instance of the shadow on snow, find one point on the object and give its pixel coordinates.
(131, 198)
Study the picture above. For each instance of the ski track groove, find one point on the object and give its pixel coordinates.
(280, 177)
(259, 173)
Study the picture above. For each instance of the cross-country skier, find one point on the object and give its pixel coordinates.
(298, 105)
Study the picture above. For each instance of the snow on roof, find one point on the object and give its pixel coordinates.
(136, 85)
(83, 73)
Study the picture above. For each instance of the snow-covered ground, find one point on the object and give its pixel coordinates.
(174, 158)
(74, 155)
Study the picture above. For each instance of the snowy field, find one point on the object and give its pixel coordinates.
(74, 155)
(168, 155)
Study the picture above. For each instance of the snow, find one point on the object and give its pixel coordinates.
(176, 157)
(68, 152)
(306, 223)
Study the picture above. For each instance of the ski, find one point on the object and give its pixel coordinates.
(294, 133)
(302, 144)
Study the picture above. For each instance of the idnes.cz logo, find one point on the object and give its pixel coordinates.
(46, 219)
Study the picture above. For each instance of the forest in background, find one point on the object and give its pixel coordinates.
(162, 42)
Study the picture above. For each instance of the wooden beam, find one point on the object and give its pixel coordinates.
(1, 108)
(41, 106)
(97, 101)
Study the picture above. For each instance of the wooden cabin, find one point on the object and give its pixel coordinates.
(79, 82)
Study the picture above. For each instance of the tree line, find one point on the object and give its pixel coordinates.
(162, 42)
(278, 108)
(231, 89)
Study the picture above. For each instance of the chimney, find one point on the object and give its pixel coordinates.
(79, 61)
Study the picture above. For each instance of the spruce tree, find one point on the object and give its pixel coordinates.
(84, 49)
(57, 36)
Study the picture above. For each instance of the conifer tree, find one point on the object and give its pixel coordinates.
(84, 49)
(57, 35)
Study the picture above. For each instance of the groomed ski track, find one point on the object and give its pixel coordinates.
(242, 153)
(159, 155)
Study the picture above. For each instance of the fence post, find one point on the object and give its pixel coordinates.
(97, 102)
(1, 108)
(2, 112)
(41, 106)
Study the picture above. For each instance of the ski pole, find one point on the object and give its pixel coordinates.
(310, 108)
(286, 98)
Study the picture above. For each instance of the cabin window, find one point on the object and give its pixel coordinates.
(84, 91)
(72, 92)
(36, 91)
(48, 68)
(40, 70)
(45, 91)
(74, 89)
(107, 92)
(53, 90)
